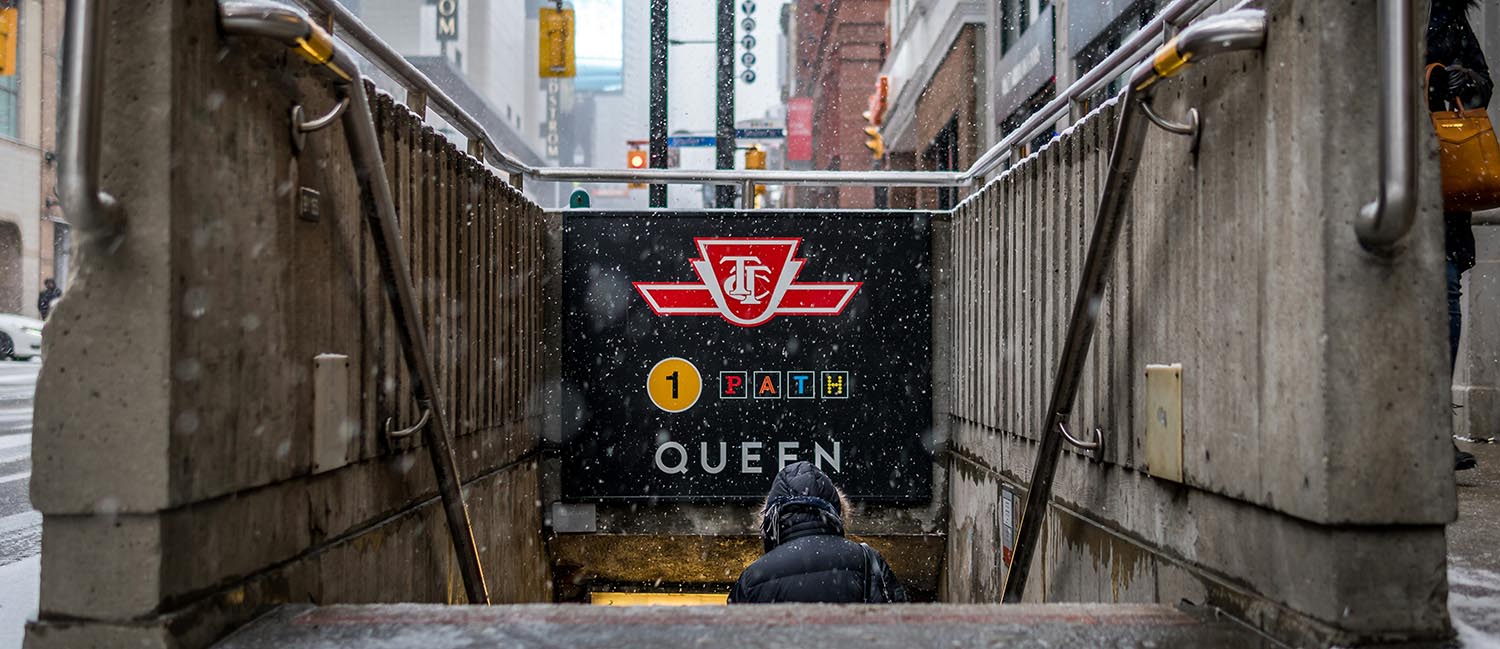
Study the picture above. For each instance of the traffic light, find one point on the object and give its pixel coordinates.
(755, 158)
(636, 159)
(10, 32)
(876, 143)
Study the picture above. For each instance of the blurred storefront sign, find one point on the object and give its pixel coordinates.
(799, 128)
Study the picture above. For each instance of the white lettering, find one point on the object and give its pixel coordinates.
(682, 454)
(746, 458)
(447, 20)
(1024, 65)
(819, 455)
(741, 283)
(723, 457)
(783, 457)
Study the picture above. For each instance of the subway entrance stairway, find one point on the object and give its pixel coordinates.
(752, 627)
(1174, 378)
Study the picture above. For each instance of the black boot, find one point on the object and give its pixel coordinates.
(1463, 461)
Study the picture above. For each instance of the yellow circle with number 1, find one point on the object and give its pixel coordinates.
(674, 384)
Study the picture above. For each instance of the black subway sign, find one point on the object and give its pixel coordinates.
(703, 353)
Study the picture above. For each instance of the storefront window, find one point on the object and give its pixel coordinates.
(942, 155)
(1108, 42)
(1017, 16)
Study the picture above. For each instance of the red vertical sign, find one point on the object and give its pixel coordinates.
(799, 124)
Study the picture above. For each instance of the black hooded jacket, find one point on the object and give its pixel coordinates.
(807, 558)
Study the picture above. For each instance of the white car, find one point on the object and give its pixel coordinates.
(20, 337)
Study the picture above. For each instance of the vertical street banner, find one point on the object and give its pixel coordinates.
(799, 128)
(703, 353)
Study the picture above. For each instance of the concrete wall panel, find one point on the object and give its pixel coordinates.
(179, 374)
(1312, 375)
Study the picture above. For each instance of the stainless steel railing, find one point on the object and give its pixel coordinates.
(97, 217)
(297, 31)
(1136, 48)
(94, 212)
(1237, 30)
(1383, 223)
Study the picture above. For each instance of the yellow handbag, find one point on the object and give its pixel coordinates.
(1470, 157)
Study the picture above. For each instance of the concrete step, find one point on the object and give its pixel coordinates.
(433, 626)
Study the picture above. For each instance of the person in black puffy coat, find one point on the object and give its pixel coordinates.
(807, 558)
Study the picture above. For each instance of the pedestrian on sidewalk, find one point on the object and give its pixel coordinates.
(48, 296)
(1465, 78)
(807, 558)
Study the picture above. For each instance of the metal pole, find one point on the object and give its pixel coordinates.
(1123, 160)
(94, 212)
(724, 124)
(386, 236)
(1229, 32)
(658, 116)
(1383, 223)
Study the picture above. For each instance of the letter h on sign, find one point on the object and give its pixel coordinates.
(836, 385)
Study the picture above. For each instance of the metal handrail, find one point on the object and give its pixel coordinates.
(762, 177)
(372, 48)
(367, 43)
(1130, 53)
(294, 29)
(1384, 222)
(1240, 29)
(95, 213)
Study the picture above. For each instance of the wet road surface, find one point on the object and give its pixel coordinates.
(20, 525)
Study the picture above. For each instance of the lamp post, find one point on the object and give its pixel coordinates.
(724, 124)
(658, 115)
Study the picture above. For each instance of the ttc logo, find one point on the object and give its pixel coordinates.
(747, 282)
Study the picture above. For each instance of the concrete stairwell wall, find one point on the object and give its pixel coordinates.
(195, 461)
(1316, 461)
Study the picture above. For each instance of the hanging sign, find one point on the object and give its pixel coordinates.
(703, 353)
(447, 20)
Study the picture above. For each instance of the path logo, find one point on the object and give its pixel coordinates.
(747, 282)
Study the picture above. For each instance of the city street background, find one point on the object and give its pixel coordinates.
(20, 525)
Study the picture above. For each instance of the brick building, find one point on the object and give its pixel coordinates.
(836, 49)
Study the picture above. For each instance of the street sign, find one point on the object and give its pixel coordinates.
(703, 353)
(556, 56)
(10, 34)
(689, 141)
(681, 141)
(759, 133)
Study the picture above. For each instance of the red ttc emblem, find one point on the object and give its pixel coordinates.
(747, 282)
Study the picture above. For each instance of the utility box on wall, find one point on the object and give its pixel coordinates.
(1164, 421)
(702, 353)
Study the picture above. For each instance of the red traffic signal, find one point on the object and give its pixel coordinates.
(636, 159)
